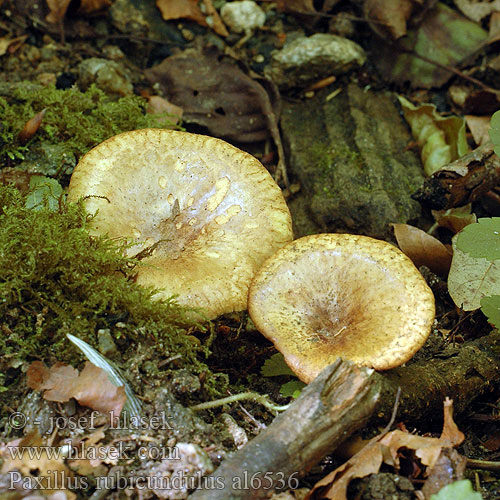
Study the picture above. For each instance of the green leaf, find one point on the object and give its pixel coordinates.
(275, 366)
(459, 490)
(292, 389)
(495, 131)
(481, 239)
(44, 192)
(472, 278)
(491, 309)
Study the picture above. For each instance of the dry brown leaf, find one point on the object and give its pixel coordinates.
(190, 9)
(297, 6)
(10, 45)
(476, 9)
(479, 126)
(455, 219)
(423, 249)
(494, 31)
(91, 387)
(48, 471)
(159, 105)
(18, 178)
(384, 448)
(58, 8)
(31, 127)
(216, 94)
(388, 17)
(92, 6)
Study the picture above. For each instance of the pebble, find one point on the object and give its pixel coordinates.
(242, 16)
(307, 59)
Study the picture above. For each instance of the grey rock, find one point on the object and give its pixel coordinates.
(307, 59)
(242, 16)
(350, 156)
(109, 76)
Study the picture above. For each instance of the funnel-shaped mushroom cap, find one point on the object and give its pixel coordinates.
(331, 295)
(209, 213)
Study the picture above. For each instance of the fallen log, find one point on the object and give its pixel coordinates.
(337, 403)
(340, 401)
(463, 181)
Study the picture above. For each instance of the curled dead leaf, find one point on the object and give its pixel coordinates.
(388, 18)
(384, 448)
(423, 249)
(479, 127)
(31, 127)
(202, 12)
(91, 387)
(58, 8)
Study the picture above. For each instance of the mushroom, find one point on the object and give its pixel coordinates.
(340, 295)
(202, 214)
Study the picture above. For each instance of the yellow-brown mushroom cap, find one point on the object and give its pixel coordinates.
(210, 213)
(340, 295)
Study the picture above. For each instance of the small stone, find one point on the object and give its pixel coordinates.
(242, 16)
(307, 59)
(47, 79)
(109, 76)
(184, 382)
(106, 343)
(187, 34)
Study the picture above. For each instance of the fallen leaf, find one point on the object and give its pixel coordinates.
(388, 18)
(58, 8)
(423, 249)
(190, 9)
(91, 387)
(477, 10)
(479, 127)
(10, 45)
(88, 7)
(44, 465)
(444, 35)
(442, 138)
(304, 6)
(471, 278)
(18, 178)
(216, 94)
(494, 32)
(159, 105)
(384, 448)
(455, 219)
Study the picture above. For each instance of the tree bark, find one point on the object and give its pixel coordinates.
(463, 377)
(463, 181)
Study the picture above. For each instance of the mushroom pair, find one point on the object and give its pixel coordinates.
(205, 216)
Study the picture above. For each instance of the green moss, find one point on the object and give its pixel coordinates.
(79, 120)
(56, 279)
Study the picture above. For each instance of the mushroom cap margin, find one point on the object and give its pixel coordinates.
(340, 295)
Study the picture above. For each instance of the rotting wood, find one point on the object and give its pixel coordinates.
(463, 377)
(463, 181)
(336, 404)
(343, 399)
